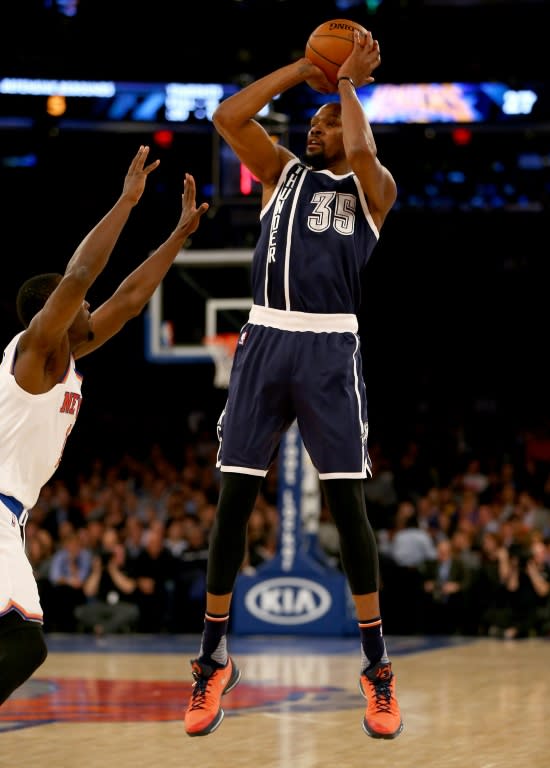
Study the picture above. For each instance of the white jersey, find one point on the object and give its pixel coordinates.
(34, 429)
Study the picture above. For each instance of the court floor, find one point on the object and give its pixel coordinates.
(118, 703)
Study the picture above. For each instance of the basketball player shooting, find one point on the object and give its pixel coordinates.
(299, 357)
(40, 395)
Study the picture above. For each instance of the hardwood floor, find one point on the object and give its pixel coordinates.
(118, 703)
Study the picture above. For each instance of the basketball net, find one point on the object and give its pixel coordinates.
(222, 348)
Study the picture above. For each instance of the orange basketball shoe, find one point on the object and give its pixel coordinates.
(382, 717)
(204, 713)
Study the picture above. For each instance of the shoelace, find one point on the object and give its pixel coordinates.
(382, 696)
(198, 696)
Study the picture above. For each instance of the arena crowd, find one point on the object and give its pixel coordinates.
(464, 541)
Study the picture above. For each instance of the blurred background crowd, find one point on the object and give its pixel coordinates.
(464, 540)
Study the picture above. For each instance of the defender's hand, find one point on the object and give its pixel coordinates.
(136, 177)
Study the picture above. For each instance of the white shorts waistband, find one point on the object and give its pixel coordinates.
(303, 321)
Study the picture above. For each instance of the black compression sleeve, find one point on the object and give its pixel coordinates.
(359, 551)
(238, 495)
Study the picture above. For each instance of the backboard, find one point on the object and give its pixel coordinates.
(205, 292)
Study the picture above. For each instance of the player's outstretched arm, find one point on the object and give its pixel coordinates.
(135, 290)
(44, 347)
(91, 256)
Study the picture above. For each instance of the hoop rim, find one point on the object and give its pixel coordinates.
(222, 339)
(222, 347)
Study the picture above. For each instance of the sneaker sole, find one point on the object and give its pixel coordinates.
(235, 677)
(376, 735)
(209, 728)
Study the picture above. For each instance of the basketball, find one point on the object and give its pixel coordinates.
(330, 44)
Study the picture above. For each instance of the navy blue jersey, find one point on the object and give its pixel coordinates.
(316, 237)
(299, 355)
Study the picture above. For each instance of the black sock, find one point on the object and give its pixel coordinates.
(373, 647)
(213, 649)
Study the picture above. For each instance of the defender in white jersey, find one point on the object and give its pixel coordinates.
(40, 395)
(298, 357)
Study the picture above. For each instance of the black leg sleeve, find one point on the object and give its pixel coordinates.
(227, 544)
(359, 551)
(22, 650)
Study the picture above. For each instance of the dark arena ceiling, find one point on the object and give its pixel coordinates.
(233, 40)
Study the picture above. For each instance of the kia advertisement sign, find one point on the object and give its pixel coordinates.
(288, 601)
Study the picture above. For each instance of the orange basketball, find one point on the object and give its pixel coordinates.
(330, 44)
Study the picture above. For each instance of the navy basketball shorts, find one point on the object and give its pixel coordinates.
(279, 376)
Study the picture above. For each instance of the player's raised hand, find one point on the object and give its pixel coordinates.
(190, 214)
(362, 61)
(136, 176)
(316, 78)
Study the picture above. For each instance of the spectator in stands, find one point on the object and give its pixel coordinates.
(445, 581)
(261, 544)
(62, 509)
(463, 548)
(134, 535)
(154, 569)
(413, 476)
(175, 539)
(507, 498)
(92, 532)
(69, 568)
(190, 578)
(380, 491)
(429, 507)
(527, 588)
(411, 547)
(462, 542)
(474, 478)
(487, 593)
(533, 514)
(109, 590)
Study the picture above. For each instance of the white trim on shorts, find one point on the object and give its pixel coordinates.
(244, 470)
(303, 321)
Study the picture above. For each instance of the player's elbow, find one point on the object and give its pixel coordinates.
(225, 121)
(218, 119)
(220, 116)
(80, 278)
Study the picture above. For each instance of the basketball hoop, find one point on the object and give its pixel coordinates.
(222, 348)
